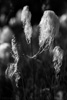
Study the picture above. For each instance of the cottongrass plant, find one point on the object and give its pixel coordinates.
(12, 69)
(49, 28)
(57, 58)
(25, 19)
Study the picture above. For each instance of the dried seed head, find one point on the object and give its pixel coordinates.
(12, 67)
(57, 58)
(49, 28)
(25, 15)
(25, 19)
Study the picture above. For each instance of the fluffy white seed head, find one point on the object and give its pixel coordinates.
(12, 67)
(25, 19)
(49, 27)
(25, 15)
(58, 53)
(57, 57)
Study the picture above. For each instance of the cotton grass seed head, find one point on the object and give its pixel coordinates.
(57, 58)
(25, 15)
(49, 28)
(25, 19)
